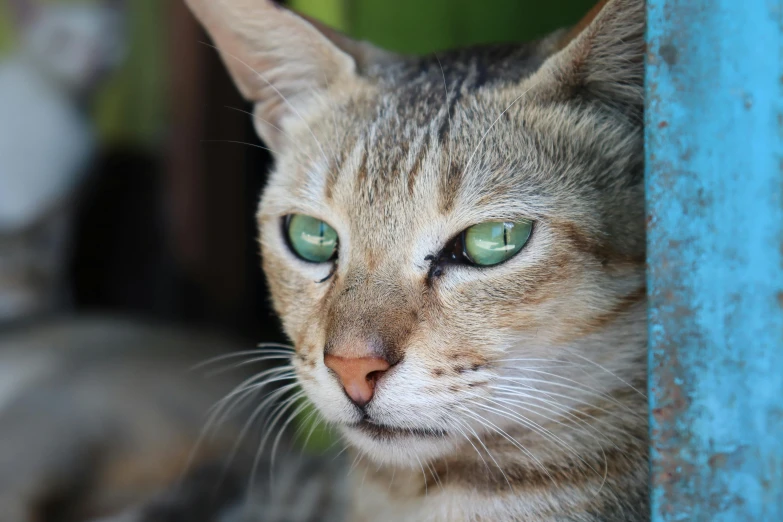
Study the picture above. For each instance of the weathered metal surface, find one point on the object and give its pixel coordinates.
(715, 251)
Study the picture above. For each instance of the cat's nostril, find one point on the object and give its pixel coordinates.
(374, 376)
(358, 375)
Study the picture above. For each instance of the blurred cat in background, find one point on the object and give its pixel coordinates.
(65, 50)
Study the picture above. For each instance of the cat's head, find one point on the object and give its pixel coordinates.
(75, 43)
(455, 238)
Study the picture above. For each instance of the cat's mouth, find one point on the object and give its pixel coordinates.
(383, 431)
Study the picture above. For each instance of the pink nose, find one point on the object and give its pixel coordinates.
(358, 375)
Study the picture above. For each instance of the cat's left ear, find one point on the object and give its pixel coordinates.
(601, 58)
(279, 60)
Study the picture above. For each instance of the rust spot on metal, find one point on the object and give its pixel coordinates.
(669, 53)
(718, 460)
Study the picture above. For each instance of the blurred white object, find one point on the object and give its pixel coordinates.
(46, 140)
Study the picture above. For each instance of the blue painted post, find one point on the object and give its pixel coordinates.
(715, 250)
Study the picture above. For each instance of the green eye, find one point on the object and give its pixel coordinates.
(310, 238)
(491, 243)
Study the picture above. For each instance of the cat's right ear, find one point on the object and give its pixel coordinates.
(601, 59)
(279, 60)
(23, 12)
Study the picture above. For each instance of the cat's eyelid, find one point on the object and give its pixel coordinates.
(505, 219)
(493, 215)
(316, 211)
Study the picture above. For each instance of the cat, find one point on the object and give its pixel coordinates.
(455, 245)
(46, 140)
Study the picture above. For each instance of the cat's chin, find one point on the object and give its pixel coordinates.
(399, 447)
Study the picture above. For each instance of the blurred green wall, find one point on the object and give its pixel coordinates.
(132, 107)
(5, 28)
(419, 26)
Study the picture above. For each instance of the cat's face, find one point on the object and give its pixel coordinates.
(75, 43)
(408, 335)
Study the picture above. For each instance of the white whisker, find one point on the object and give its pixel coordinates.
(261, 349)
(489, 424)
(285, 100)
(277, 413)
(510, 415)
(280, 432)
(278, 129)
(255, 146)
(489, 453)
(247, 362)
(213, 415)
(484, 136)
(446, 103)
(424, 475)
(583, 390)
(573, 353)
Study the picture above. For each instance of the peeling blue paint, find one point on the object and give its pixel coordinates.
(714, 143)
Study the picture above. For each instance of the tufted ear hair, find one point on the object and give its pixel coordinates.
(601, 58)
(279, 60)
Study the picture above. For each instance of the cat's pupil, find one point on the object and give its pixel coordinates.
(513, 235)
(311, 239)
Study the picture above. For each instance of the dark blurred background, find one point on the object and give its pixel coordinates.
(164, 225)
